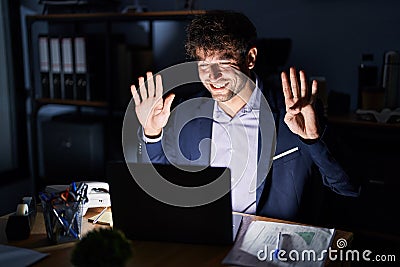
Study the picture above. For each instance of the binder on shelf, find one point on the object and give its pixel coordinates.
(81, 69)
(44, 66)
(55, 68)
(67, 68)
(96, 66)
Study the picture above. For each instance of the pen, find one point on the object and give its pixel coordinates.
(73, 185)
(44, 197)
(98, 217)
(278, 241)
(64, 223)
(69, 229)
(72, 221)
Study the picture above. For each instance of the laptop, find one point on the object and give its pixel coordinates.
(165, 217)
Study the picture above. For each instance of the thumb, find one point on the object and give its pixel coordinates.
(168, 103)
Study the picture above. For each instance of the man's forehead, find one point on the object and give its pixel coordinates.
(203, 55)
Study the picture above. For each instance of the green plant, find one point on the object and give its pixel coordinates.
(103, 247)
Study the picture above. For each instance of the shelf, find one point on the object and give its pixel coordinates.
(148, 16)
(114, 44)
(353, 121)
(44, 101)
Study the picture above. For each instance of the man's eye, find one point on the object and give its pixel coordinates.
(228, 64)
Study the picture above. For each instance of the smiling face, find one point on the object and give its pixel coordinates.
(223, 42)
(224, 77)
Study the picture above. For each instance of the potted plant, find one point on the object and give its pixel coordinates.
(103, 247)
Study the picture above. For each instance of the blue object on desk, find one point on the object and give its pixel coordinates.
(278, 241)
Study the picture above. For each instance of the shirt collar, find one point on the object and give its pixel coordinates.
(254, 101)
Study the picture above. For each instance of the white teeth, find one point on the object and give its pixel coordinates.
(219, 85)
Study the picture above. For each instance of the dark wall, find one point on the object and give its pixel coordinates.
(328, 36)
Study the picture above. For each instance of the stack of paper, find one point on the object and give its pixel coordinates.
(281, 244)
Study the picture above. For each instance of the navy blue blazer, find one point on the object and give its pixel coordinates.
(283, 192)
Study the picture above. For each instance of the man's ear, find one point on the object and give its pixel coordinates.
(251, 57)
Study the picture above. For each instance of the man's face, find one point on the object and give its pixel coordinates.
(222, 77)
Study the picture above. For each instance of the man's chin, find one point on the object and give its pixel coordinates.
(221, 97)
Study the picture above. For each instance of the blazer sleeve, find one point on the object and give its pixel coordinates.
(150, 152)
(333, 174)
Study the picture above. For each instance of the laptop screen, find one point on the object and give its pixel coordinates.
(144, 210)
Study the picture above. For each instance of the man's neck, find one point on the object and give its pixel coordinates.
(236, 103)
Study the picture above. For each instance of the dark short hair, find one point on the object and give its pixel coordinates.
(229, 32)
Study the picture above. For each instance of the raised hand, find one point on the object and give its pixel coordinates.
(152, 111)
(300, 115)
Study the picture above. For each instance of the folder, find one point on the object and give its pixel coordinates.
(44, 66)
(67, 68)
(97, 65)
(55, 68)
(81, 69)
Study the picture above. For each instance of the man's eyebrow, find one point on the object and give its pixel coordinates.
(221, 60)
(212, 62)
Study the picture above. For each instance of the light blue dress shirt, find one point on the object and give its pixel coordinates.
(235, 145)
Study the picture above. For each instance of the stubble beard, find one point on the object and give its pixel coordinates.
(223, 97)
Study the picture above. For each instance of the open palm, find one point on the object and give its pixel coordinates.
(300, 115)
(151, 109)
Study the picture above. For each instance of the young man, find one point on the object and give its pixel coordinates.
(234, 119)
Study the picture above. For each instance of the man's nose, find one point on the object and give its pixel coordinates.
(215, 71)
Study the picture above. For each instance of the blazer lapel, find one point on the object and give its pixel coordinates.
(202, 132)
(267, 139)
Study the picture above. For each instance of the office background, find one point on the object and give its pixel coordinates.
(328, 39)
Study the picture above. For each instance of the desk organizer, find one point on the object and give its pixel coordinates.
(63, 211)
(20, 223)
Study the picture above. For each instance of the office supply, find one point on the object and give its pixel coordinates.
(105, 218)
(98, 216)
(68, 68)
(278, 242)
(20, 223)
(22, 209)
(97, 194)
(211, 223)
(55, 68)
(82, 92)
(44, 66)
(261, 245)
(12, 256)
(62, 212)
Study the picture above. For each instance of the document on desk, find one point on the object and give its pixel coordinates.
(104, 218)
(281, 244)
(11, 256)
